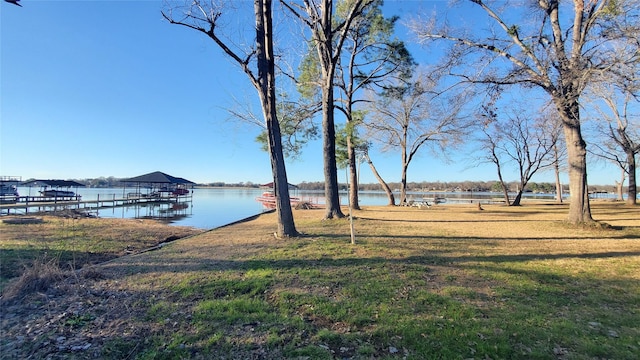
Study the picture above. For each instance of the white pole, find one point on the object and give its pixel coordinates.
(353, 233)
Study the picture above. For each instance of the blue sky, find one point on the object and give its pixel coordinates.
(109, 88)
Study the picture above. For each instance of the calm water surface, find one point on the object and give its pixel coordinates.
(213, 207)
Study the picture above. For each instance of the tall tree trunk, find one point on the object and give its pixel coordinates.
(325, 50)
(264, 83)
(632, 191)
(403, 175)
(556, 168)
(620, 184)
(403, 187)
(517, 199)
(505, 189)
(619, 192)
(353, 175)
(329, 151)
(579, 207)
(266, 78)
(385, 186)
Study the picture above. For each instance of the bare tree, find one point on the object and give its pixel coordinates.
(528, 140)
(489, 144)
(529, 146)
(555, 48)
(412, 115)
(559, 149)
(620, 131)
(328, 35)
(557, 155)
(381, 181)
(258, 63)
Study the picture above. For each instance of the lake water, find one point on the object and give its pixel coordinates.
(213, 207)
(208, 208)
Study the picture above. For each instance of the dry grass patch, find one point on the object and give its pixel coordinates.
(74, 243)
(36, 278)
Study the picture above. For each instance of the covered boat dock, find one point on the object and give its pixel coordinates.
(158, 185)
(52, 191)
(152, 188)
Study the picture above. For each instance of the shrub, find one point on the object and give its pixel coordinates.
(36, 278)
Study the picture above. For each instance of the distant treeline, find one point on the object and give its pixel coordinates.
(479, 186)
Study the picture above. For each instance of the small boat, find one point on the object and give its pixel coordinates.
(57, 193)
(8, 190)
(268, 199)
(8, 193)
(177, 191)
(181, 191)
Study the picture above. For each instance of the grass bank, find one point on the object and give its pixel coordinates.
(449, 282)
(71, 243)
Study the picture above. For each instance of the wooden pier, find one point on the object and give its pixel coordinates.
(26, 204)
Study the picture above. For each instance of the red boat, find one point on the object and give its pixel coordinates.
(181, 191)
(268, 199)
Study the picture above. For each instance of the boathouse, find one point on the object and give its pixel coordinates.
(157, 184)
(53, 190)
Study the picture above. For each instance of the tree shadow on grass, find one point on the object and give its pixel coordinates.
(479, 220)
(436, 257)
(533, 292)
(128, 319)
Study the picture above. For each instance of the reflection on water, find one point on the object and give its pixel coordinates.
(209, 207)
(168, 212)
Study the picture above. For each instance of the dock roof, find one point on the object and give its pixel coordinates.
(53, 183)
(270, 185)
(158, 177)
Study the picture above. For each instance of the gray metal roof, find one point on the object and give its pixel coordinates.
(53, 183)
(157, 177)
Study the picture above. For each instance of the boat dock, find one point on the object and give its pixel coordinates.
(154, 190)
(27, 204)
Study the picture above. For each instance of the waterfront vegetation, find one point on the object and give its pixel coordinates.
(447, 282)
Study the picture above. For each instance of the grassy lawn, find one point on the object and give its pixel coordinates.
(74, 243)
(450, 282)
